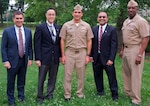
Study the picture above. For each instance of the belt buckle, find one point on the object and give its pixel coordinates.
(76, 51)
(126, 46)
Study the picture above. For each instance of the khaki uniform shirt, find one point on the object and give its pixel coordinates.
(76, 35)
(134, 30)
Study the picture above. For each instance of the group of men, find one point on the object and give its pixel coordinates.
(75, 45)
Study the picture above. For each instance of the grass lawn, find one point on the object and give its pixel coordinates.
(91, 98)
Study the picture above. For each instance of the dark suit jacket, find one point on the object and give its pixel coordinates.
(9, 46)
(108, 45)
(44, 46)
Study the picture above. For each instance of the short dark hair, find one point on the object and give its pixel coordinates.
(50, 9)
(17, 13)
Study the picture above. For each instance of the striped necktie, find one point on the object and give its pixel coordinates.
(99, 38)
(52, 33)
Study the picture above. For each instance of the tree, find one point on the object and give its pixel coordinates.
(37, 8)
(3, 6)
(19, 5)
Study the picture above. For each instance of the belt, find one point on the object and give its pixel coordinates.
(126, 46)
(131, 46)
(76, 51)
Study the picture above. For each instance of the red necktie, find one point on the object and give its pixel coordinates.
(20, 44)
(99, 38)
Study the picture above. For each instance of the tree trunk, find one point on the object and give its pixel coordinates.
(119, 26)
(121, 17)
(1, 19)
(64, 3)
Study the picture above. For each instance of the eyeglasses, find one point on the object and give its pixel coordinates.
(101, 16)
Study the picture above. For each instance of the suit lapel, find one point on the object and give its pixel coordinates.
(57, 31)
(105, 31)
(47, 31)
(46, 28)
(14, 33)
(25, 36)
(97, 32)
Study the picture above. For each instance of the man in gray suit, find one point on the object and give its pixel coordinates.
(16, 54)
(47, 53)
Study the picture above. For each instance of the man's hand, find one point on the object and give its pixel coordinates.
(87, 60)
(121, 54)
(7, 65)
(29, 62)
(109, 62)
(63, 60)
(38, 63)
(138, 60)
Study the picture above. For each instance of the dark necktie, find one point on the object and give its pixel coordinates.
(99, 38)
(20, 44)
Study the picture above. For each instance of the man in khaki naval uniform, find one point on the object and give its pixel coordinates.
(76, 37)
(135, 39)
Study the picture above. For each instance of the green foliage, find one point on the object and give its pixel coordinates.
(3, 7)
(36, 10)
(64, 12)
(148, 47)
(115, 8)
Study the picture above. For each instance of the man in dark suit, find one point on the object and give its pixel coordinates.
(47, 54)
(104, 47)
(16, 50)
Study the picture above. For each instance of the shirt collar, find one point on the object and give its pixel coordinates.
(80, 23)
(49, 24)
(103, 27)
(18, 27)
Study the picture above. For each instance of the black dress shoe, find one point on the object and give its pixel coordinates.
(100, 93)
(48, 97)
(10, 104)
(67, 99)
(40, 102)
(21, 100)
(115, 98)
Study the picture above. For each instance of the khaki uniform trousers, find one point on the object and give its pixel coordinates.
(132, 73)
(74, 59)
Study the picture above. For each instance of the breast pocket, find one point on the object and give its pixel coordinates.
(83, 32)
(70, 31)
